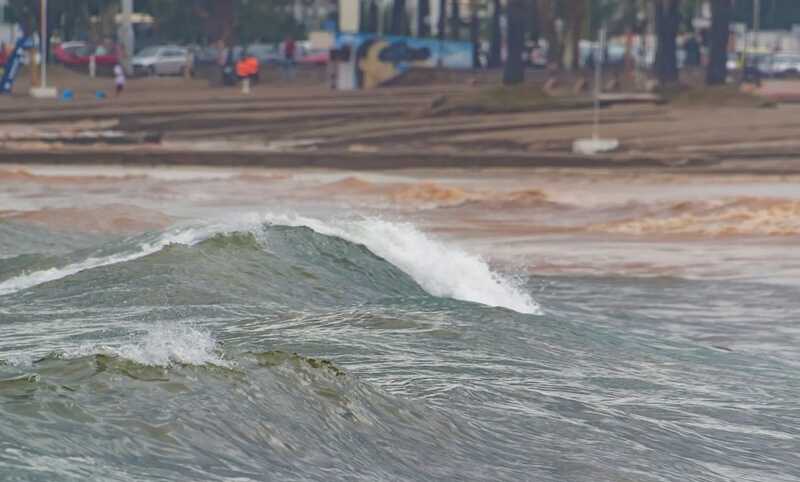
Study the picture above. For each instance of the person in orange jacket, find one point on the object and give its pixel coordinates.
(247, 68)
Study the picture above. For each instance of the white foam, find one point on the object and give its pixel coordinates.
(162, 345)
(440, 269)
(187, 236)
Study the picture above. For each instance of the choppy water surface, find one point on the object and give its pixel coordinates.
(338, 347)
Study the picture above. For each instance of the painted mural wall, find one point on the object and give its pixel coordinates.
(378, 60)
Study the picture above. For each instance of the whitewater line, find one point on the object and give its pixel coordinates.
(29, 280)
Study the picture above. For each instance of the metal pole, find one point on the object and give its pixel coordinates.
(598, 78)
(43, 42)
(756, 22)
(128, 39)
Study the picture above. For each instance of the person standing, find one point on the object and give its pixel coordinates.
(119, 79)
(289, 50)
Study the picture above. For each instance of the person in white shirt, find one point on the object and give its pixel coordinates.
(119, 78)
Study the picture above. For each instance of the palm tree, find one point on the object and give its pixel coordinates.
(496, 41)
(442, 21)
(455, 20)
(547, 25)
(721, 11)
(576, 13)
(423, 12)
(475, 33)
(399, 22)
(668, 19)
(514, 72)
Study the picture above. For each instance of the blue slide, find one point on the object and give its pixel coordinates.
(13, 63)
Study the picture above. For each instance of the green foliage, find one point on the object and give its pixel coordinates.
(266, 21)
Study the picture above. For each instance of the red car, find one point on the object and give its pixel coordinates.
(77, 54)
(315, 57)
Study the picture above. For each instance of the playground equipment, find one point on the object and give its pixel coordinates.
(13, 64)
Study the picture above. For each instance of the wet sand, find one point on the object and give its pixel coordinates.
(185, 122)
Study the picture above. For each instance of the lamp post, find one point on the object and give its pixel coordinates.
(756, 22)
(43, 91)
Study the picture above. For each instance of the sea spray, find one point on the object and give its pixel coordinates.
(163, 344)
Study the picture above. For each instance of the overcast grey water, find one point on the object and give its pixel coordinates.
(184, 326)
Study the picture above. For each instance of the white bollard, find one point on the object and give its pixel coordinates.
(92, 66)
(246, 85)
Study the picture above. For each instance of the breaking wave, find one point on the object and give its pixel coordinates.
(441, 270)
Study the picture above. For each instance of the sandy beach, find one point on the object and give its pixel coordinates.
(180, 121)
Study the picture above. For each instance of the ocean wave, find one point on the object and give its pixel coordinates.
(186, 236)
(431, 194)
(110, 218)
(441, 270)
(745, 216)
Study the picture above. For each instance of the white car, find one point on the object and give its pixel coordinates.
(162, 60)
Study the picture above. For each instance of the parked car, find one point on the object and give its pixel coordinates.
(315, 57)
(783, 65)
(78, 54)
(161, 60)
(267, 54)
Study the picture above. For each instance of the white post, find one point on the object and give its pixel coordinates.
(43, 92)
(92, 66)
(128, 36)
(598, 78)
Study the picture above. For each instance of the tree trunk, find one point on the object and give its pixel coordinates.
(533, 21)
(668, 18)
(441, 30)
(514, 72)
(219, 20)
(219, 24)
(372, 17)
(572, 51)
(399, 25)
(423, 20)
(496, 42)
(717, 72)
(547, 25)
(475, 38)
(455, 20)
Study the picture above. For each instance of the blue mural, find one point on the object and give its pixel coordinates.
(381, 59)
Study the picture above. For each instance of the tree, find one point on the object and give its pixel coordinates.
(399, 22)
(475, 34)
(496, 41)
(423, 18)
(721, 12)
(547, 25)
(514, 72)
(668, 19)
(441, 25)
(455, 20)
(576, 13)
(533, 20)
(372, 17)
